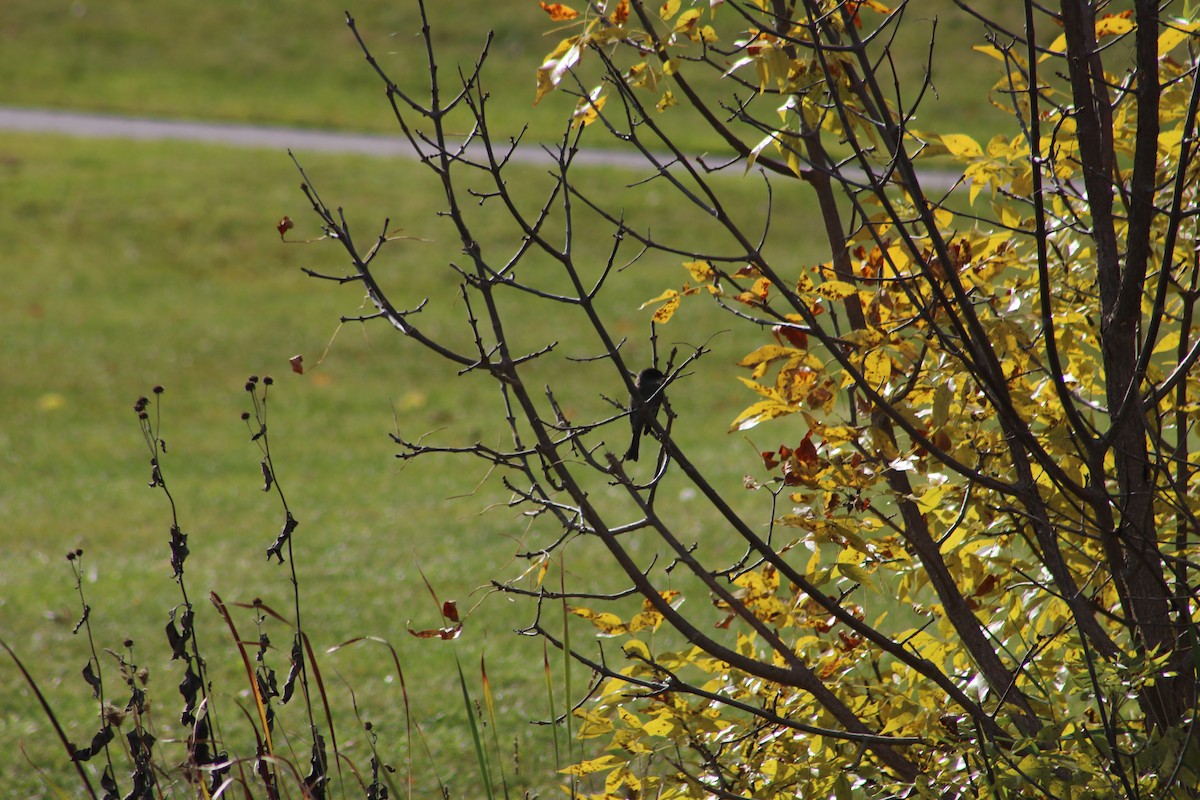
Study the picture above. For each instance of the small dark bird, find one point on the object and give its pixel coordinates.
(643, 406)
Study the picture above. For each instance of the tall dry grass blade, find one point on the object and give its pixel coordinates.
(62, 736)
(237, 640)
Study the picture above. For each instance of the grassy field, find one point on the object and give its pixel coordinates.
(297, 63)
(143, 264)
(133, 264)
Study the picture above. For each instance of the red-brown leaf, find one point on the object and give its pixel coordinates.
(284, 226)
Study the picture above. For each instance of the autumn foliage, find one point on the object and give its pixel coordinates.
(972, 572)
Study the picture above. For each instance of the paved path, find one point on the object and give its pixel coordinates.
(112, 126)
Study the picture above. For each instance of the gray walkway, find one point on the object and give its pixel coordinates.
(112, 126)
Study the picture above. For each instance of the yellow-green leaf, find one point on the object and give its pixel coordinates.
(593, 724)
(855, 573)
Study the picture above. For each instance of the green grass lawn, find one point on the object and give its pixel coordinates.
(297, 63)
(130, 265)
(133, 264)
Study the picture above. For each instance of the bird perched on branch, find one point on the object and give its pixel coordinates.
(643, 406)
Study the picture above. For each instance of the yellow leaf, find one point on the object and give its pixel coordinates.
(701, 270)
(1059, 46)
(556, 65)
(1167, 342)
(990, 50)
(956, 538)
(643, 76)
(644, 620)
(961, 145)
(687, 20)
(768, 353)
(669, 293)
(670, 303)
(608, 623)
(999, 146)
(757, 294)
(931, 498)
(756, 387)
(1174, 35)
(760, 412)
(941, 405)
(636, 647)
(943, 217)
(793, 162)
(836, 290)
(839, 434)
(669, 9)
(980, 173)
(757, 150)
(663, 726)
(615, 780)
(666, 101)
(929, 647)
(601, 764)
(865, 338)
(1169, 141)
(593, 724)
(558, 12)
(587, 110)
(877, 368)
(855, 573)
(1113, 25)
